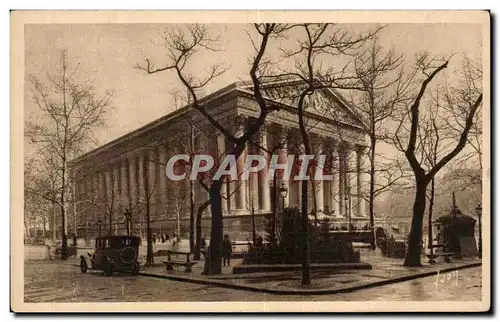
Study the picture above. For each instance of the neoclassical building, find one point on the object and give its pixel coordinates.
(129, 172)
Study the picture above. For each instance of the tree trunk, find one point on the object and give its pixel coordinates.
(215, 266)
(191, 218)
(44, 230)
(27, 228)
(64, 244)
(372, 191)
(306, 278)
(429, 221)
(412, 258)
(110, 230)
(54, 221)
(197, 248)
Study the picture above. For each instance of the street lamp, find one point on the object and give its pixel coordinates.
(479, 213)
(128, 217)
(283, 194)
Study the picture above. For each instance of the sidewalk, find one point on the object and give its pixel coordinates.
(385, 271)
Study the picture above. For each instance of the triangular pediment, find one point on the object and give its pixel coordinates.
(325, 102)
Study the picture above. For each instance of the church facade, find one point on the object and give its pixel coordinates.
(128, 175)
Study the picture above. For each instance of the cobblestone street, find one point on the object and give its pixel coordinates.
(58, 281)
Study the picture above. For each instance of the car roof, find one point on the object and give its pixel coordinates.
(117, 237)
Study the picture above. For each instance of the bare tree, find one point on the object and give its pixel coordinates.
(71, 111)
(382, 86)
(410, 124)
(318, 41)
(458, 99)
(182, 45)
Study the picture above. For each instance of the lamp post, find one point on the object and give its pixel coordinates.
(99, 223)
(128, 219)
(283, 194)
(479, 213)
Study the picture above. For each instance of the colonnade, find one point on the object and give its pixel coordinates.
(122, 184)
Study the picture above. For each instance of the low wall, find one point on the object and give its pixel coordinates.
(36, 252)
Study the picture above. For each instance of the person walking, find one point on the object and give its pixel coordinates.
(203, 243)
(227, 250)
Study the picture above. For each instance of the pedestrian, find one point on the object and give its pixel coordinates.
(227, 249)
(203, 245)
(206, 262)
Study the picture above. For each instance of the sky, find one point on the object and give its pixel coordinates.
(108, 53)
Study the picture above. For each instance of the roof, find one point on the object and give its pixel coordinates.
(455, 216)
(118, 237)
(243, 87)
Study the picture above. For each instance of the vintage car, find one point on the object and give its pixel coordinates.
(113, 254)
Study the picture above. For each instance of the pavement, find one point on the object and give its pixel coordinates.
(384, 271)
(60, 281)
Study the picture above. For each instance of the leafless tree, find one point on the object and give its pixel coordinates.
(382, 87)
(318, 41)
(409, 138)
(458, 100)
(182, 46)
(71, 110)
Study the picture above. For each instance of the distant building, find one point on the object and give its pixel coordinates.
(111, 178)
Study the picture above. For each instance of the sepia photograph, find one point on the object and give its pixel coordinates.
(250, 161)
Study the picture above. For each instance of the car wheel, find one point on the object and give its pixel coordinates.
(108, 269)
(83, 265)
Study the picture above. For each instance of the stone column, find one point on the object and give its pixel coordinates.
(232, 184)
(318, 184)
(125, 193)
(264, 193)
(141, 192)
(162, 173)
(153, 182)
(241, 185)
(108, 182)
(221, 153)
(353, 181)
(78, 193)
(334, 184)
(116, 196)
(341, 180)
(140, 179)
(253, 179)
(97, 196)
(241, 190)
(283, 159)
(132, 162)
(363, 181)
(295, 190)
(101, 183)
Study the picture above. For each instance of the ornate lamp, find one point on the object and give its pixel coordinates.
(283, 194)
